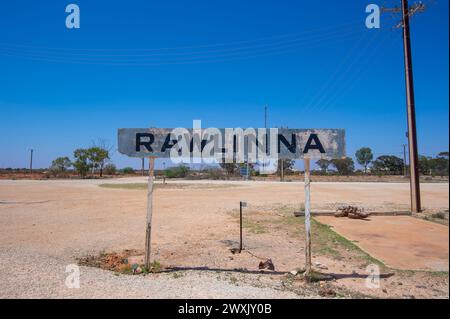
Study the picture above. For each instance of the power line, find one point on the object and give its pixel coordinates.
(330, 84)
(263, 49)
(349, 82)
(349, 24)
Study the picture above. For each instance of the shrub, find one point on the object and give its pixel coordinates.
(128, 170)
(110, 169)
(177, 172)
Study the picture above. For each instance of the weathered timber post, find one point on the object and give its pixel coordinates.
(148, 233)
(307, 218)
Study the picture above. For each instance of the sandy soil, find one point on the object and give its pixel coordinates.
(45, 225)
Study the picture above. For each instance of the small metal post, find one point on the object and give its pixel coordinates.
(307, 218)
(148, 233)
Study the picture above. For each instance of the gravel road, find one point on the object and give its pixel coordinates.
(47, 225)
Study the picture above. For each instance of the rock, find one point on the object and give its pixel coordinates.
(136, 269)
(385, 291)
(234, 250)
(268, 264)
(294, 272)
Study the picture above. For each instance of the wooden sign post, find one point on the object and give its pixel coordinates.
(148, 232)
(307, 217)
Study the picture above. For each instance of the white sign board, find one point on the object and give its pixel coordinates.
(232, 145)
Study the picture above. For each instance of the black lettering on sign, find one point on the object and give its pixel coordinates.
(290, 146)
(168, 143)
(316, 146)
(147, 144)
(202, 145)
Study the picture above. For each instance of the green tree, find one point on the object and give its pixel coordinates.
(442, 163)
(439, 166)
(388, 164)
(81, 164)
(433, 166)
(97, 157)
(344, 166)
(425, 165)
(364, 156)
(323, 163)
(61, 163)
(444, 155)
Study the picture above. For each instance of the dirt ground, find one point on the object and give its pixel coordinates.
(401, 242)
(46, 225)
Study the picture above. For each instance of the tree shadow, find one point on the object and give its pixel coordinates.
(333, 276)
(236, 270)
(355, 275)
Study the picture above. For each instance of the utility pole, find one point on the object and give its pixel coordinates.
(267, 138)
(265, 116)
(31, 161)
(143, 166)
(411, 113)
(407, 12)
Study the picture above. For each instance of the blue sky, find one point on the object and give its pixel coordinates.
(164, 63)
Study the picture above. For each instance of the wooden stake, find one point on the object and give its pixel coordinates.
(148, 233)
(307, 218)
